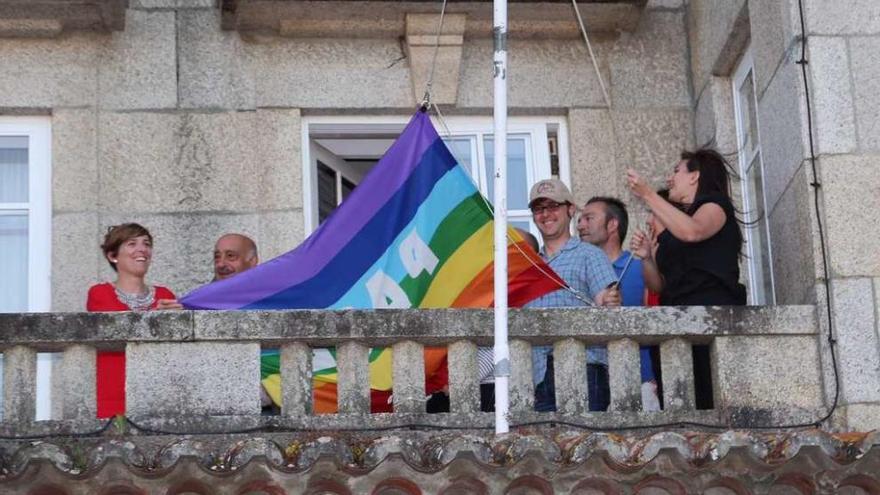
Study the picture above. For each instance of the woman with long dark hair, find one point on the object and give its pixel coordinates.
(697, 256)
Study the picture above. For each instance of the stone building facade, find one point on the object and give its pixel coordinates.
(200, 117)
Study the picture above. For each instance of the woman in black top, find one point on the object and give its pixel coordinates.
(697, 256)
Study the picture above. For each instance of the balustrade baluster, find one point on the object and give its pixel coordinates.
(408, 372)
(464, 389)
(677, 370)
(296, 379)
(75, 394)
(353, 387)
(624, 375)
(19, 384)
(570, 376)
(522, 386)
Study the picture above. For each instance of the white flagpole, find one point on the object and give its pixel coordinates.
(502, 353)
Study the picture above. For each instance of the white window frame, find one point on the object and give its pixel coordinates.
(753, 219)
(536, 127)
(38, 130)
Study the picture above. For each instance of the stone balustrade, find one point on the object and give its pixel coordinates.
(199, 371)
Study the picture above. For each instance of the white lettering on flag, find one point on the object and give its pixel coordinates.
(417, 256)
(385, 293)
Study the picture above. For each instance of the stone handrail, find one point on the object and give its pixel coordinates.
(200, 370)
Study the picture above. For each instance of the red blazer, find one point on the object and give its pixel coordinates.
(110, 373)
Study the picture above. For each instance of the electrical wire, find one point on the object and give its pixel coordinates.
(44, 436)
(426, 100)
(816, 185)
(577, 12)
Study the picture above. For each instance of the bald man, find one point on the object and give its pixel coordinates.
(234, 253)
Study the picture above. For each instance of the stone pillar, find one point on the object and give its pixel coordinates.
(464, 390)
(624, 375)
(76, 384)
(408, 374)
(570, 375)
(421, 38)
(19, 384)
(755, 376)
(677, 371)
(353, 387)
(522, 387)
(189, 379)
(296, 380)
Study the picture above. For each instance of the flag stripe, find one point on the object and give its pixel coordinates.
(453, 188)
(480, 292)
(467, 217)
(473, 254)
(370, 243)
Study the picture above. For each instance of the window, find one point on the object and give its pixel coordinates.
(25, 213)
(751, 170)
(341, 151)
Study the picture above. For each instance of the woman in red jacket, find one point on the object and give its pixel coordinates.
(128, 249)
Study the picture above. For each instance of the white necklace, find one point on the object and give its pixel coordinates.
(137, 302)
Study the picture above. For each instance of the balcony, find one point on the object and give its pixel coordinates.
(193, 407)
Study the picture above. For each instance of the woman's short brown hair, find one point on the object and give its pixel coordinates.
(117, 234)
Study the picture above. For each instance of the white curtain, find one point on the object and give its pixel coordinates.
(13, 224)
(13, 169)
(13, 263)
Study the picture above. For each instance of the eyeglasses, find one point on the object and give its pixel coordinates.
(551, 206)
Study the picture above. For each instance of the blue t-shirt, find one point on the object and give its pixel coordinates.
(632, 287)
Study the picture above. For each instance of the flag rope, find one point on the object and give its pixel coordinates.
(426, 100)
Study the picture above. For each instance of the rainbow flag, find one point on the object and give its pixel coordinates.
(415, 233)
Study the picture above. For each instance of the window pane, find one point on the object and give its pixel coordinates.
(13, 263)
(326, 191)
(13, 169)
(347, 187)
(517, 183)
(747, 105)
(759, 240)
(519, 224)
(461, 150)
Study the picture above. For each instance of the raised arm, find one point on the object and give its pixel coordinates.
(641, 246)
(705, 222)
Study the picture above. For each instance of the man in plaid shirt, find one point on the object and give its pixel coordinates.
(589, 275)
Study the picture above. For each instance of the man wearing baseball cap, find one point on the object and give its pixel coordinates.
(586, 270)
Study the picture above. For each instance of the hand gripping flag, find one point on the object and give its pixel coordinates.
(415, 233)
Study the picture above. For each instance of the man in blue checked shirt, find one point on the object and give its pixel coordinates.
(587, 271)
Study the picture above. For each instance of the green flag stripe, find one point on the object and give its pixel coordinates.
(456, 228)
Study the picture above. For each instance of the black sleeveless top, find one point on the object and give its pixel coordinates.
(704, 273)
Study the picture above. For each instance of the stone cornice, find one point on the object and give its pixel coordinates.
(381, 19)
(49, 18)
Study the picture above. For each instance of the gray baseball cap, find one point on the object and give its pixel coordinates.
(552, 189)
